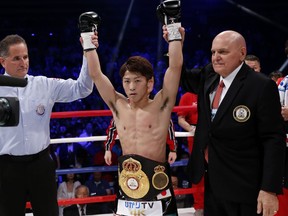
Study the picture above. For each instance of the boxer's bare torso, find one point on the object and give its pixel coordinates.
(142, 129)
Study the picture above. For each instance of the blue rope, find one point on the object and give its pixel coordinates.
(107, 168)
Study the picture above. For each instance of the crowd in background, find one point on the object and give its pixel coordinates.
(62, 59)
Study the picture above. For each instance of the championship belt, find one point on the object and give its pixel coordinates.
(142, 178)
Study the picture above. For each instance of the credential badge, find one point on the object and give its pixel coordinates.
(40, 109)
(241, 113)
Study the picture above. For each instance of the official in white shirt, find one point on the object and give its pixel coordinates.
(26, 168)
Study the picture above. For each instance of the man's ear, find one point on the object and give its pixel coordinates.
(150, 84)
(2, 61)
(243, 53)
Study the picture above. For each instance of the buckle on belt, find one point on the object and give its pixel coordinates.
(135, 183)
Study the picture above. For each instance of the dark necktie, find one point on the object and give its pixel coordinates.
(82, 211)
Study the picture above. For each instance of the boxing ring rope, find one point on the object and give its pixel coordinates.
(107, 198)
(93, 113)
(102, 138)
(111, 198)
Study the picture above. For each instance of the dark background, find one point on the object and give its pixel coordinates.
(264, 24)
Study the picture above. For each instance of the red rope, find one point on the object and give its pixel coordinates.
(111, 198)
(108, 198)
(91, 113)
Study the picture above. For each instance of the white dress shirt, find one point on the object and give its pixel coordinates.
(37, 99)
(227, 83)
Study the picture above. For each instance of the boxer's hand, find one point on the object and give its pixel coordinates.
(108, 157)
(166, 34)
(169, 14)
(172, 157)
(94, 40)
(88, 23)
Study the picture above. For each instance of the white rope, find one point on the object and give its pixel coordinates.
(102, 138)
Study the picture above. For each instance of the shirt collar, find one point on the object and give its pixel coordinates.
(229, 79)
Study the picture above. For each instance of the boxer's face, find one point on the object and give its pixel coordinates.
(16, 64)
(135, 85)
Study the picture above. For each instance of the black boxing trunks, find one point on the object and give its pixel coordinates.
(144, 187)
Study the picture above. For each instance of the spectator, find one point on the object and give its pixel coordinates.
(188, 121)
(275, 75)
(180, 199)
(283, 92)
(81, 191)
(89, 146)
(67, 153)
(253, 62)
(66, 189)
(99, 187)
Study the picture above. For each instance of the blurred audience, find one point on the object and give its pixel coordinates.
(72, 155)
(81, 191)
(67, 153)
(100, 187)
(276, 75)
(66, 189)
(253, 62)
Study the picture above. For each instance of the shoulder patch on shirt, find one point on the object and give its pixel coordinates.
(40, 109)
